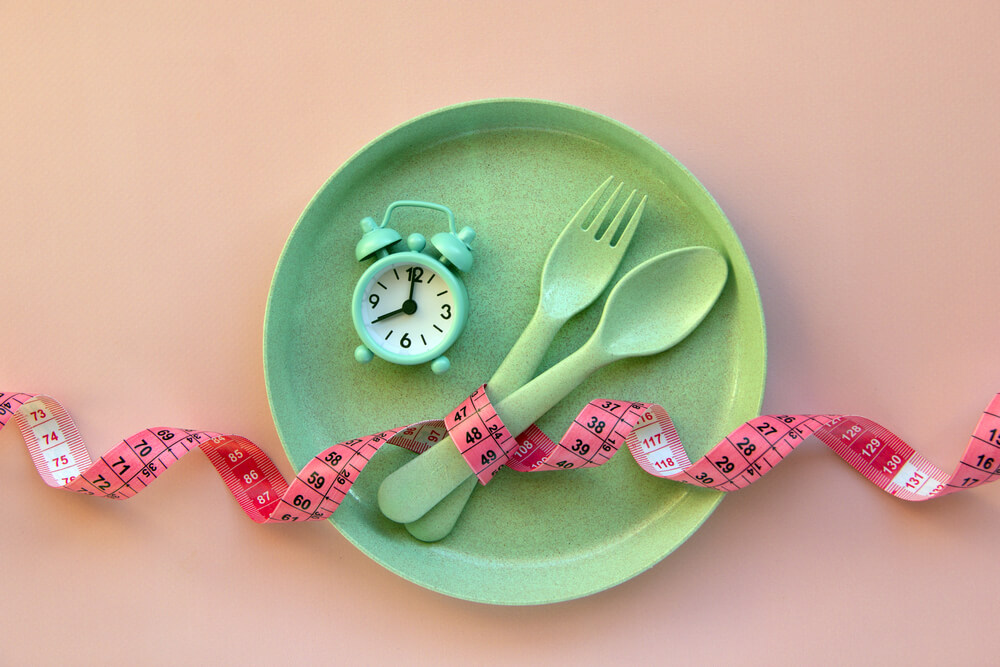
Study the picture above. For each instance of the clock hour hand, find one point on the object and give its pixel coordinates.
(388, 315)
(409, 307)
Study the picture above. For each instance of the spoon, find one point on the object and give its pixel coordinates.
(652, 308)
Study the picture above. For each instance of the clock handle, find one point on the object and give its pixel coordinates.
(420, 204)
(453, 246)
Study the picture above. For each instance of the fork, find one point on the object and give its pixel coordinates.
(579, 266)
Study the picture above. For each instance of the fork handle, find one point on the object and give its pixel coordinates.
(524, 358)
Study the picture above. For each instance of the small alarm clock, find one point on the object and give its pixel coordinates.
(410, 305)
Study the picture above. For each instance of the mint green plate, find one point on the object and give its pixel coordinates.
(515, 171)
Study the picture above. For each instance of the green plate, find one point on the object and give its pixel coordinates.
(515, 171)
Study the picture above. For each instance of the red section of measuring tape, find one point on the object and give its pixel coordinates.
(62, 460)
(749, 452)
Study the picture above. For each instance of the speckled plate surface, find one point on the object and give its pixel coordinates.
(515, 171)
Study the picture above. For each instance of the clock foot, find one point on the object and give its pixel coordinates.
(440, 365)
(363, 354)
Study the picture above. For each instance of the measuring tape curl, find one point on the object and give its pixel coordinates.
(61, 459)
(740, 459)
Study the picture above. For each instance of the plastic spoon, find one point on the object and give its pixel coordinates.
(652, 308)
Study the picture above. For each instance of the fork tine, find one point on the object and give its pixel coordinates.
(609, 233)
(588, 205)
(602, 215)
(626, 235)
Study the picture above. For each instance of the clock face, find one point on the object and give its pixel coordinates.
(409, 309)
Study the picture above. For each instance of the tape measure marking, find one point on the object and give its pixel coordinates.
(744, 456)
(480, 435)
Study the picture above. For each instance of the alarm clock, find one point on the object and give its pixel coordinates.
(410, 305)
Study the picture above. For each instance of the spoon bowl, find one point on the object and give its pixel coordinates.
(651, 309)
(660, 302)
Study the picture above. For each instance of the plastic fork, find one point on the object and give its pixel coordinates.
(579, 266)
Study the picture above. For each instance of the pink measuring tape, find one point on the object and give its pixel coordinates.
(742, 458)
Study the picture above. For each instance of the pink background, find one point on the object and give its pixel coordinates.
(153, 161)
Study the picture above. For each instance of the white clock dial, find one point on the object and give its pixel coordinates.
(408, 309)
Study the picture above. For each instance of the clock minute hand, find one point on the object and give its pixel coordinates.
(413, 282)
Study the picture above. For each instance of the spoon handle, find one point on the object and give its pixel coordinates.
(520, 410)
(410, 492)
